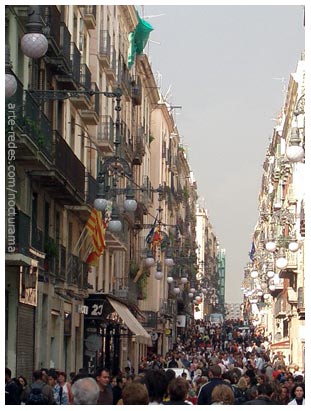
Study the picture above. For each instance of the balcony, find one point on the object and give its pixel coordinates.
(281, 307)
(126, 147)
(136, 91)
(58, 35)
(167, 308)
(71, 80)
(89, 17)
(77, 273)
(124, 79)
(111, 69)
(33, 131)
(292, 265)
(139, 147)
(83, 101)
(105, 134)
(301, 303)
(20, 240)
(37, 237)
(104, 54)
(91, 114)
(62, 263)
(147, 192)
(91, 189)
(65, 181)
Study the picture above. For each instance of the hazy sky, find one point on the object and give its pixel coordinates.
(228, 67)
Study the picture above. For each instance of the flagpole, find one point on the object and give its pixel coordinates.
(84, 234)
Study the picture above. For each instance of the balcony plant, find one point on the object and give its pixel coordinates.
(134, 268)
(141, 285)
(33, 126)
(51, 248)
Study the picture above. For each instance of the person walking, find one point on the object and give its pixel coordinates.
(40, 392)
(85, 391)
(298, 395)
(135, 393)
(65, 385)
(156, 384)
(117, 389)
(11, 389)
(205, 393)
(178, 392)
(24, 389)
(103, 380)
(265, 392)
(60, 397)
(222, 394)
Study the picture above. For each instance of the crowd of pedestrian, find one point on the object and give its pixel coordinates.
(210, 364)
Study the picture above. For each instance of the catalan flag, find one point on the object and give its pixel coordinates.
(150, 235)
(96, 229)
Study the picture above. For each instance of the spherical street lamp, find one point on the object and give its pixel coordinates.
(34, 44)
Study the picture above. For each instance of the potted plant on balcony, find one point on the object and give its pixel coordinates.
(51, 252)
(134, 267)
(141, 285)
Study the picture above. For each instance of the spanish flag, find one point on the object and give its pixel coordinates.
(96, 229)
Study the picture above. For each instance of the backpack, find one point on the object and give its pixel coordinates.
(36, 396)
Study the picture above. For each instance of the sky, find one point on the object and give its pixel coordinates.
(228, 67)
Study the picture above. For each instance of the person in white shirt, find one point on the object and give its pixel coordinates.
(298, 393)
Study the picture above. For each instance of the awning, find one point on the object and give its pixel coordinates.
(131, 322)
(281, 345)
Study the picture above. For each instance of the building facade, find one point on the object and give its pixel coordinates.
(84, 123)
(274, 284)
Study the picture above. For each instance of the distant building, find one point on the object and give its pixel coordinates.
(233, 311)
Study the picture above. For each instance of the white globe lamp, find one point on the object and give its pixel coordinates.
(34, 45)
(293, 246)
(281, 263)
(271, 246)
(295, 153)
(270, 273)
(254, 274)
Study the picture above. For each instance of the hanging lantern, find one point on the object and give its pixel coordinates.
(270, 273)
(158, 274)
(184, 280)
(293, 246)
(170, 279)
(254, 274)
(281, 262)
(271, 246)
(295, 153)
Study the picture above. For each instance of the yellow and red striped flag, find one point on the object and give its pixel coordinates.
(96, 229)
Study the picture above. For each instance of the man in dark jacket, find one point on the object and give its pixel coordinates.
(264, 395)
(205, 393)
(102, 377)
(11, 389)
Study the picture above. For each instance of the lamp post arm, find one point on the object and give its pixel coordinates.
(67, 94)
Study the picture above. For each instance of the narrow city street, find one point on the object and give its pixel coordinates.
(155, 236)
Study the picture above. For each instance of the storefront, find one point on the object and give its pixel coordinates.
(112, 335)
